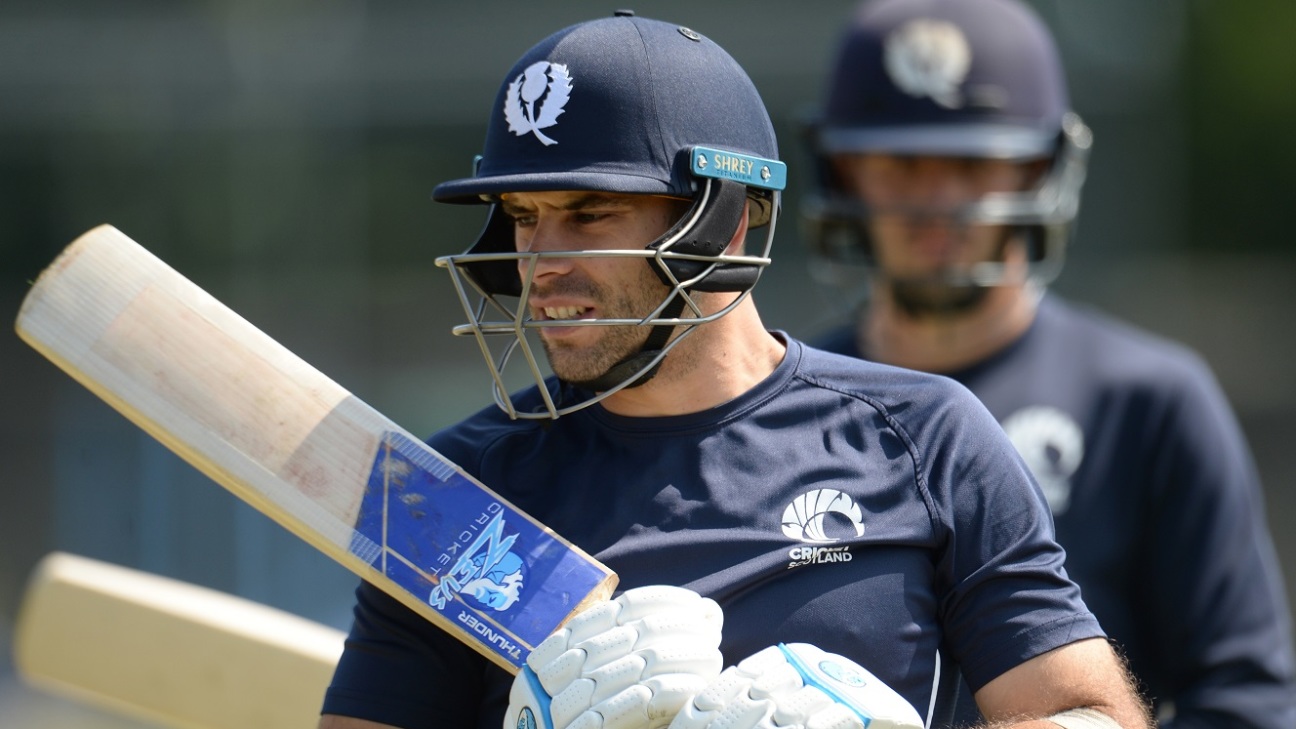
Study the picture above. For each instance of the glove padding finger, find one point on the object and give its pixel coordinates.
(631, 662)
(797, 685)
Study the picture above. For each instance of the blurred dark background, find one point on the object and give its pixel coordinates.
(281, 154)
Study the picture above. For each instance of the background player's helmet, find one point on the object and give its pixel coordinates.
(623, 105)
(956, 78)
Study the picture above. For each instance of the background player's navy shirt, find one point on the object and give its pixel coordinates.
(1157, 503)
(938, 541)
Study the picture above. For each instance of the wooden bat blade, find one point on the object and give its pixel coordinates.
(298, 447)
(169, 652)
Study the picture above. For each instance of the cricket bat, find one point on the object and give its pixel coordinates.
(301, 449)
(169, 652)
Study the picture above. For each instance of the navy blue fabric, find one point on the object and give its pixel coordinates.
(1010, 103)
(642, 93)
(956, 557)
(1165, 530)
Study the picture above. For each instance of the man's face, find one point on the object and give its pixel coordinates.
(915, 203)
(590, 287)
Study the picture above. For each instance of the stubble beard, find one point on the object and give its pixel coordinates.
(928, 299)
(946, 294)
(581, 364)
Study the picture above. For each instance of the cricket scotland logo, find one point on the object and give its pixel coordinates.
(806, 518)
(536, 98)
(818, 517)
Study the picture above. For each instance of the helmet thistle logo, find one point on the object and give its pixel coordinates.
(535, 99)
(929, 58)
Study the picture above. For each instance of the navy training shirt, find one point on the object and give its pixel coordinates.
(938, 546)
(1157, 503)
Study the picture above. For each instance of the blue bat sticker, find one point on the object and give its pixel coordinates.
(471, 556)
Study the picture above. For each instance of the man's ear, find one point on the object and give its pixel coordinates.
(735, 246)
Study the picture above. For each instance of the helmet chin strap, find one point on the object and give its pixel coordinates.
(637, 369)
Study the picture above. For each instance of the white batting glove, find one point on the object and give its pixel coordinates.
(627, 663)
(797, 685)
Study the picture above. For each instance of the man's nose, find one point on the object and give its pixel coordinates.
(943, 191)
(544, 239)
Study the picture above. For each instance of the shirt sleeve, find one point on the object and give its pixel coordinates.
(1006, 594)
(1215, 599)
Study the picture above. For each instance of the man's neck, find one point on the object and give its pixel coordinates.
(945, 342)
(722, 360)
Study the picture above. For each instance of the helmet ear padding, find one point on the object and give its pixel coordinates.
(495, 277)
(722, 206)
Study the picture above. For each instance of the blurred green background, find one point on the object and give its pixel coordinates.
(281, 153)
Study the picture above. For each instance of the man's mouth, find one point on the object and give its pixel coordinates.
(563, 312)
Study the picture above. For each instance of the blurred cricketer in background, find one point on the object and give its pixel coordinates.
(949, 172)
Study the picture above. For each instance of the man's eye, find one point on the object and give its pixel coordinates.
(586, 218)
(523, 221)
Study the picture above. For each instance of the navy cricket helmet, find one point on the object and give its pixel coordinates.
(624, 105)
(948, 78)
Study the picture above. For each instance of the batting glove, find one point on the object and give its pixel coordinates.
(627, 663)
(797, 685)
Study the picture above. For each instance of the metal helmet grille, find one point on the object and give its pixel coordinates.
(835, 226)
(506, 334)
